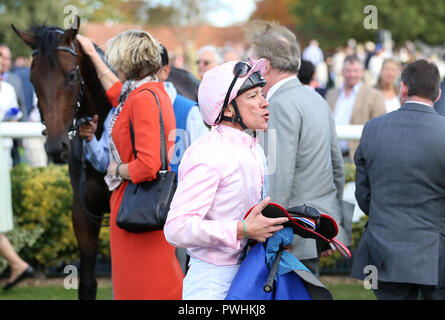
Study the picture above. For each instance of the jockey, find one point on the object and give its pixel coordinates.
(221, 176)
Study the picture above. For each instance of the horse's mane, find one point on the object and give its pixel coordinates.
(47, 38)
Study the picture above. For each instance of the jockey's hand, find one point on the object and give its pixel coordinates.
(87, 131)
(259, 227)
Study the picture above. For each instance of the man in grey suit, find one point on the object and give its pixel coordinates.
(400, 185)
(304, 159)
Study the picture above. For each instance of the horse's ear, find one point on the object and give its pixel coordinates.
(70, 34)
(27, 38)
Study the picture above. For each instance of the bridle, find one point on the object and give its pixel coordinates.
(72, 131)
(73, 127)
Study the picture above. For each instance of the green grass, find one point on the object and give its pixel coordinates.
(50, 293)
(350, 291)
(340, 291)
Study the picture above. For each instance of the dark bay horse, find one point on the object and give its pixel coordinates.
(68, 88)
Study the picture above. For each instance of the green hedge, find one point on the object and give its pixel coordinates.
(43, 231)
(357, 227)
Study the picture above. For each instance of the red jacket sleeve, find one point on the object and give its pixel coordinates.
(144, 117)
(113, 93)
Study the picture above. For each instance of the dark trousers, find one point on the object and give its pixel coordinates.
(408, 291)
(183, 259)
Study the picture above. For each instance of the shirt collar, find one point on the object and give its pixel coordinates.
(355, 89)
(236, 136)
(277, 85)
(425, 104)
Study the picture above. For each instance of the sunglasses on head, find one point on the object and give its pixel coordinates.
(240, 70)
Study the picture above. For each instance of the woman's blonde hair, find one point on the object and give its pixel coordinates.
(135, 53)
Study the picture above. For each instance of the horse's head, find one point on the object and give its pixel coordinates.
(55, 74)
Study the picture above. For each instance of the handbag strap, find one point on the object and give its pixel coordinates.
(164, 166)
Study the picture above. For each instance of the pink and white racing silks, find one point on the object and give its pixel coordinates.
(220, 179)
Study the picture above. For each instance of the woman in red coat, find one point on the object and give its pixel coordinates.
(144, 265)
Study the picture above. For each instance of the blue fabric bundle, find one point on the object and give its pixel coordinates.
(288, 261)
(249, 282)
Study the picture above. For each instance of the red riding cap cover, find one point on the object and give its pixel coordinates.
(307, 222)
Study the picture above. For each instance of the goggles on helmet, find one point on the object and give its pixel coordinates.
(240, 70)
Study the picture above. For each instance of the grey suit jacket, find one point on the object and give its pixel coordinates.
(400, 185)
(305, 162)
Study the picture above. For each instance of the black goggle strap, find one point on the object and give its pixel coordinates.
(240, 70)
(226, 99)
(237, 116)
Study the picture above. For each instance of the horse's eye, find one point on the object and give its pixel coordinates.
(72, 76)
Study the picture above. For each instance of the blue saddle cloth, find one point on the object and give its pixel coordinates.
(254, 270)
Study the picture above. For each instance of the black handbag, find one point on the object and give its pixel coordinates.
(145, 205)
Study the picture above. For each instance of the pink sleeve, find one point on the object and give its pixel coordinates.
(188, 224)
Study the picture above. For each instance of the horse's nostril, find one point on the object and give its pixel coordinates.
(57, 150)
(65, 152)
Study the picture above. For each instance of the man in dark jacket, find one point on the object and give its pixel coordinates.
(400, 185)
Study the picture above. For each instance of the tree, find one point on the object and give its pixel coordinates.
(275, 10)
(184, 17)
(22, 14)
(333, 22)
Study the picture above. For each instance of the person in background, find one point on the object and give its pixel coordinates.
(306, 74)
(144, 265)
(35, 147)
(189, 127)
(400, 185)
(230, 54)
(208, 57)
(354, 102)
(439, 106)
(97, 151)
(10, 77)
(22, 69)
(189, 123)
(9, 111)
(388, 84)
(19, 268)
(376, 62)
(313, 53)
